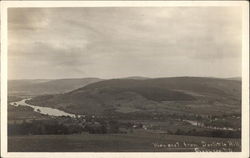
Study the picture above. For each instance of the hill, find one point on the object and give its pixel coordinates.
(235, 78)
(163, 95)
(43, 86)
(136, 78)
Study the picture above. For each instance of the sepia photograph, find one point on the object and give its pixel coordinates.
(115, 78)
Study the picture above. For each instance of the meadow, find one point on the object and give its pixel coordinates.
(137, 141)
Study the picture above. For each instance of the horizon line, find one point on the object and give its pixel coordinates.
(123, 77)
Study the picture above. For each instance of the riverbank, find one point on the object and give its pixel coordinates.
(42, 110)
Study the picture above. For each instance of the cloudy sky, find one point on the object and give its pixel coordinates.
(121, 42)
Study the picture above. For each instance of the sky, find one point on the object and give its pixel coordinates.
(50, 43)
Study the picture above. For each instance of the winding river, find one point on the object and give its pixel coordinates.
(43, 110)
(56, 112)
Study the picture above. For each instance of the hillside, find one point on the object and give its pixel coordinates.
(235, 78)
(41, 87)
(179, 94)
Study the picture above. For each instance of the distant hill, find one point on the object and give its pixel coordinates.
(44, 86)
(136, 78)
(235, 78)
(177, 94)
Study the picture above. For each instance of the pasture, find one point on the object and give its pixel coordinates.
(138, 141)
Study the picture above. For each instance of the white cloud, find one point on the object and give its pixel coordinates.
(113, 42)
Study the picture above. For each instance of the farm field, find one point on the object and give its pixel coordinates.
(138, 141)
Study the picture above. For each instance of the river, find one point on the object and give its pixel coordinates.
(43, 110)
(195, 123)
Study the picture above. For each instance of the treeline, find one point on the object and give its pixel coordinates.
(40, 128)
(54, 127)
(227, 121)
(102, 127)
(14, 99)
(19, 108)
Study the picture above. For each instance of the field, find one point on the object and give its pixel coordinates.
(138, 141)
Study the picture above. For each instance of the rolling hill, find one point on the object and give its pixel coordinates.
(44, 86)
(235, 78)
(176, 94)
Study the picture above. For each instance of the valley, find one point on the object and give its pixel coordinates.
(115, 112)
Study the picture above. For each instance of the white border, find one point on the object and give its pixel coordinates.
(245, 76)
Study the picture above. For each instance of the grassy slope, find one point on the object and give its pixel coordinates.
(23, 113)
(137, 141)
